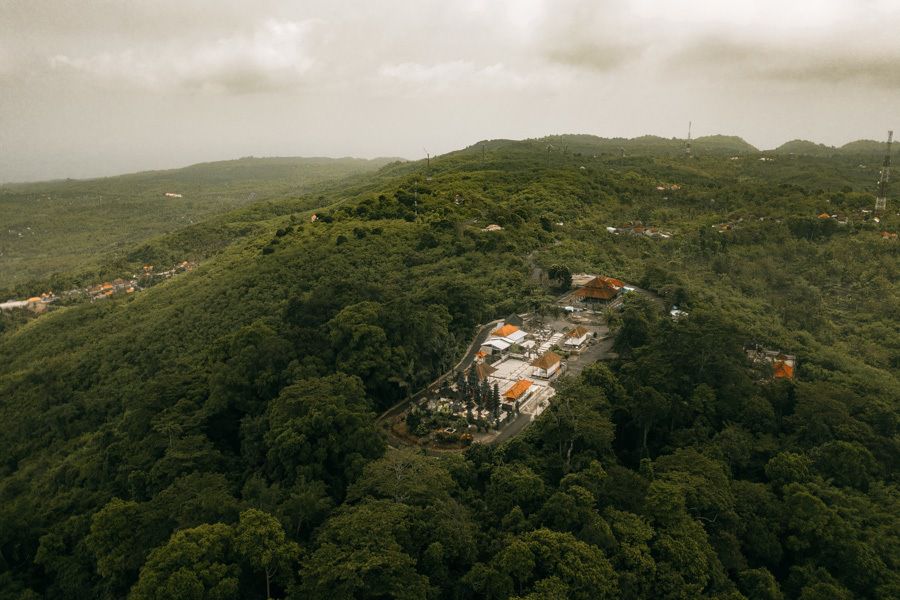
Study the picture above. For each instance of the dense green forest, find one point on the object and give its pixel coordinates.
(215, 436)
(74, 228)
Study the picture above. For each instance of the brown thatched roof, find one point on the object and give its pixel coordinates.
(546, 361)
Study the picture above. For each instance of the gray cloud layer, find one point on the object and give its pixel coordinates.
(102, 86)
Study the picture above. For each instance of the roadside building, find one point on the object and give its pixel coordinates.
(577, 337)
(495, 346)
(510, 333)
(547, 365)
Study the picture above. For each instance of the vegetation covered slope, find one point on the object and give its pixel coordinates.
(215, 435)
(806, 147)
(74, 225)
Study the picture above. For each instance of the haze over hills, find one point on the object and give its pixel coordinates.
(77, 231)
(65, 226)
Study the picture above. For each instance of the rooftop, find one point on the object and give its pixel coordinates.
(518, 389)
(505, 331)
(546, 361)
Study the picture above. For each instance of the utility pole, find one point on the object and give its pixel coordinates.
(687, 147)
(881, 198)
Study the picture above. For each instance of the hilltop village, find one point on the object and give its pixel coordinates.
(507, 377)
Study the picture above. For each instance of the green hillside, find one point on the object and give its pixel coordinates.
(58, 227)
(722, 144)
(805, 147)
(217, 432)
(590, 145)
(867, 147)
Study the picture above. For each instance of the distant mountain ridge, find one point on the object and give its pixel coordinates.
(808, 148)
(719, 145)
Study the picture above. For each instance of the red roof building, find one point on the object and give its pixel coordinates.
(600, 288)
(517, 390)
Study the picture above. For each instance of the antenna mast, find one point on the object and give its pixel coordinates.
(687, 147)
(881, 198)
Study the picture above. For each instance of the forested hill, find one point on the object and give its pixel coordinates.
(864, 149)
(214, 436)
(718, 145)
(70, 229)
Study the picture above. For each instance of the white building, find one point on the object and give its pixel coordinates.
(495, 346)
(547, 365)
(577, 337)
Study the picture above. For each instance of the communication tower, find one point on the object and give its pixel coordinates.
(687, 146)
(881, 198)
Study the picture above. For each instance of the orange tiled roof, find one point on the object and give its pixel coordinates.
(824, 216)
(516, 391)
(601, 288)
(546, 361)
(782, 370)
(506, 330)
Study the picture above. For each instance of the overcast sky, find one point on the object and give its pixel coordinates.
(99, 87)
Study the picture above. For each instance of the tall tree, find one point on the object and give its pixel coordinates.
(260, 539)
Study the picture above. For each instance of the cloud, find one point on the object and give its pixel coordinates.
(441, 77)
(595, 55)
(599, 36)
(854, 61)
(275, 55)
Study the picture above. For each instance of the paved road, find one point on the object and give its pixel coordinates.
(387, 416)
(514, 428)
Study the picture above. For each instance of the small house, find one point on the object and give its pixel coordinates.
(519, 391)
(783, 369)
(546, 365)
(577, 337)
(495, 346)
(510, 333)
